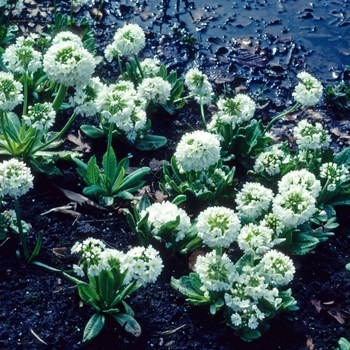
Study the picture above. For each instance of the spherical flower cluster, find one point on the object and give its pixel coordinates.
(253, 199)
(119, 104)
(150, 67)
(272, 222)
(160, 214)
(90, 250)
(218, 226)
(85, 97)
(10, 5)
(69, 63)
(254, 239)
(334, 174)
(154, 89)
(142, 264)
(217, 273)
(309, 91)
(236, 110)
(311, 137)
(66, 36)
(15, 178)
(40, 116)
(197, 151)
(21, 57)
(303, 178)
(270, 162)
(294, 206)
(128, 40)
(10, 92)
(277, 268)
(199, 86)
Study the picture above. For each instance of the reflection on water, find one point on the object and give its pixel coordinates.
(318, 30)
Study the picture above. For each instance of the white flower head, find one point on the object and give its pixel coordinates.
(21, 57)
(334, 175)
(161, 213)
(309, 91)
(15, 178)
(253, 199)
(294, 206)
(40, 116)
(142, 264)
(68, 63)
(154, 89)
(199, 85)
(197, 151)
(128, 40)
(150, 67)
(236, 110)
(310, 136)
(218, 226)
(85, 97)
(66, 36)
(255, 239)
(303, 178)
(10, 92)
(277, 268)
(270, 162)
(271, 221)
(217, 273)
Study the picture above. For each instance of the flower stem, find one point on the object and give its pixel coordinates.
(8, 141)
(109, 146)
(20, 230)
(61, 94)
(68, 124)
(202, 112)
(280, 116)
(25, 93)
(139, 66)
(120, 65)
(218, 251)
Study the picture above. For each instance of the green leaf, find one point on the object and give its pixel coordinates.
(343, 157)
(248, 334)
(150, 142)
(92, 131)
(94, 190)
(344, 344)
(87, 293)
(128, 323)
(50, 170)
(181, 198)
(109, 163)
(106, 285)
(133, 179)
(340, 200)
(92, 172)
(94, 326)
(303, 243)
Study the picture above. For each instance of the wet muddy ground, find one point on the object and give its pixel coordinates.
(240, 45)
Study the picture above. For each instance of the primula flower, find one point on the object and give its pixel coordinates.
(128, 40)
(272, 222)
(161, 213)
(217, 273)
(85, 97)
(270, 161)
(69, 63)
(311, 137)
(41, 116)
(197, 151)
(10, 92)
(12, 4)
(218, 226)
(309, 91)
(66, 36)
(21, 57)
(198, 85)
(255, 239)
(253, 199)
(15, 178)
(236, 110)
(150, 67)
(294, 206)
(334, 174)
(142, 264)
(154, 89)
(277, 267)
(303, 178)
(119, 104)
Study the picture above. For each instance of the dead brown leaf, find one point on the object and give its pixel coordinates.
(156, 164)
(59, 251)
(81, 145)
(197, 15)
(337, 132)
(95, 13)
(332, 308)
(309, 344)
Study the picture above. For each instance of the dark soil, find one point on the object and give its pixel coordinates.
(41, 305)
